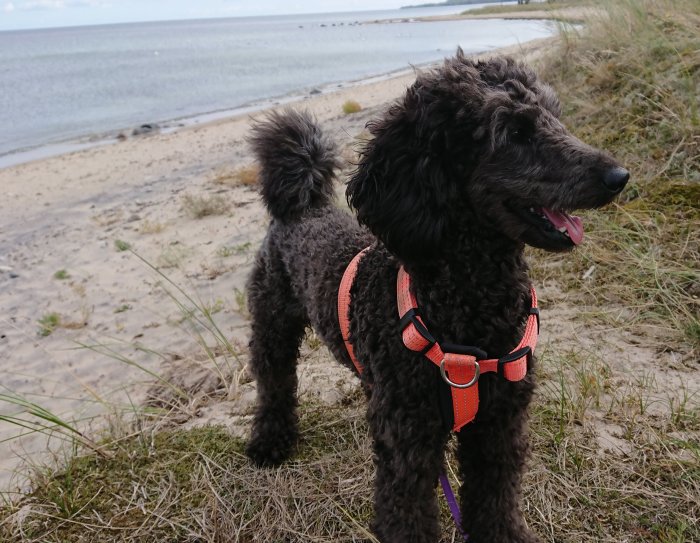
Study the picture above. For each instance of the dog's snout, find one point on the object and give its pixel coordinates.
(615, 179)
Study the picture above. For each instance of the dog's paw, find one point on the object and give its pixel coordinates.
(265, 454)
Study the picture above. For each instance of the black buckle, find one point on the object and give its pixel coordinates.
(411, 317)
(514, 357)
(536, 312)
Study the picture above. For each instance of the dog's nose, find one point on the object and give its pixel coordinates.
(615, 179)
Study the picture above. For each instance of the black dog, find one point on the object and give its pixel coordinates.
(471, 165)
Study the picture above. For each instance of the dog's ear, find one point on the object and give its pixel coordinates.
(405, 184)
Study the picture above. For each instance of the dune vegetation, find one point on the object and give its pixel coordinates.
(616, 455)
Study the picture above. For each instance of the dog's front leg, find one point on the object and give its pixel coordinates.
(492, 452)
(409, 440)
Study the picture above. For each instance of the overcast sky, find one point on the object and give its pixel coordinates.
(45, 13)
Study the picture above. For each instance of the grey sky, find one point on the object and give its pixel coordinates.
(16, 14)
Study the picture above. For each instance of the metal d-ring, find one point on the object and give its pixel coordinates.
(477, 372)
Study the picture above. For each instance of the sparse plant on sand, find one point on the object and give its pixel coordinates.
(241, 302)
(48, 323)
(351, 106)
(151, 227)
(121, 245)
(230, 250)
(61, 275)
(172, 256)
(199, 206)
(242, 176)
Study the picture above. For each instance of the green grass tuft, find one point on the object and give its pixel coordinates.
(122, 308)
(122, 245)
(61, 275)
(48, 323)
(351, 106)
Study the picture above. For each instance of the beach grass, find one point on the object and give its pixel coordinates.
(197, 485)
(616, 457)
(552, 7)
(628, 83)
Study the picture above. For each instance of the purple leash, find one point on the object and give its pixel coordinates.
(452, 503)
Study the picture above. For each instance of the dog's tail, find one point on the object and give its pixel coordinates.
(297, 164)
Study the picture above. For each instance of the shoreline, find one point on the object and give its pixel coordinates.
(167, 126)
(115, 136)
(167, 122)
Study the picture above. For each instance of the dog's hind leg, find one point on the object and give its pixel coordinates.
(278, 328)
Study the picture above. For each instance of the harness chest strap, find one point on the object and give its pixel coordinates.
(460, 370)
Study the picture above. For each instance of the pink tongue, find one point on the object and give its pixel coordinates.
(573, 224)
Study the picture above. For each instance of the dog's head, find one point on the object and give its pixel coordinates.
(478, 143)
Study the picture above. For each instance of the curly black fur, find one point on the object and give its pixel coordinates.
(445, 187)
(297, 164)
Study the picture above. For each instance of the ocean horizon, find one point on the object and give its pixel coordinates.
(66, 88)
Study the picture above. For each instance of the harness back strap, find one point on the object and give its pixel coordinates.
(461, 370)
(344, 306)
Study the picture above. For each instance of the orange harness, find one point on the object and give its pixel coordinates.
(460, 365)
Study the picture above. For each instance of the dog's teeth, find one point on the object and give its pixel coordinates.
(562, 229)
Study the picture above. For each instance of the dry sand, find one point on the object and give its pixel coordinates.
(65, 213)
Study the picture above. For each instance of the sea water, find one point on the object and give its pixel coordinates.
(64, 84)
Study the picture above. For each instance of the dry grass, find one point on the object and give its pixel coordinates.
(197, 485)
(199, 206)
(641, 484)
(173, 255)
(151, 227)
(246, 176)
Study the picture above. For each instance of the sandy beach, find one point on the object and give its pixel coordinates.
(63, 221)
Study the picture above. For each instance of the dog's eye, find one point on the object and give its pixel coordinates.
(521, 134)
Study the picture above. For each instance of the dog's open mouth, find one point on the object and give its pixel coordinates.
(557, 223)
